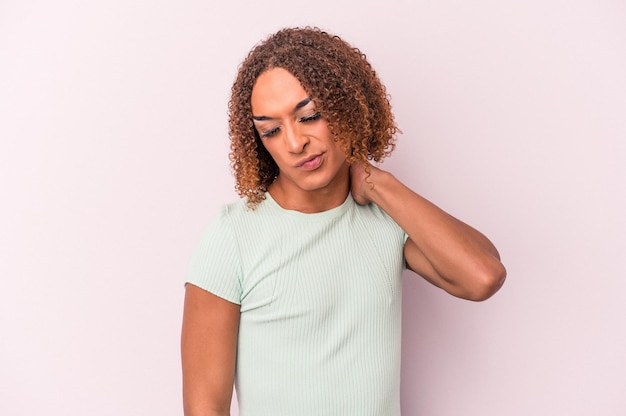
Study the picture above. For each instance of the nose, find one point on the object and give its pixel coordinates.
(295, 141)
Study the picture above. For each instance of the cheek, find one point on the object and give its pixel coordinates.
(344, 148)
(274, 152)
(339, 145)
(340, 148)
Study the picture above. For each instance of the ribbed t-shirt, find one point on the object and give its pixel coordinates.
(320, 298)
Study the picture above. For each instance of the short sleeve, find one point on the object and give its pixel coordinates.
(215, 262)
(400, 233)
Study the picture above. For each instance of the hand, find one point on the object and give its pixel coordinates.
(360, 183)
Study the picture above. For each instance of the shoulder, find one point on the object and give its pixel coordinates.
(238, 222)
(239, 214)
(378, 222)
(235, 209)
(373, 212)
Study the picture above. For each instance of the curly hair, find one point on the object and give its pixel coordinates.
(339, 80)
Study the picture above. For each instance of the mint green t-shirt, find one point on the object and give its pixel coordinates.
(320, 298)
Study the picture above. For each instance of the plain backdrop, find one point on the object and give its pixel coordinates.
(114, 155)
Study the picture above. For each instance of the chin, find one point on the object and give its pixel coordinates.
(318, 180)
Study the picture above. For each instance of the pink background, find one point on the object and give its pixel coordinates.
(113, 156)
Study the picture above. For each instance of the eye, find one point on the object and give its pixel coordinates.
(312, 117)
(269, 133)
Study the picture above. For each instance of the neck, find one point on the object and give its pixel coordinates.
(311, 201)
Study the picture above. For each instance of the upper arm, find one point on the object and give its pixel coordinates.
(417, 262)
(208, 352)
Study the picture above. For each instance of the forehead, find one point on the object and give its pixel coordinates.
(276, 91)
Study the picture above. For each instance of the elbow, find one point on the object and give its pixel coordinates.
(487, 282)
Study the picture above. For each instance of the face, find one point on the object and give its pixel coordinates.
(296, 136)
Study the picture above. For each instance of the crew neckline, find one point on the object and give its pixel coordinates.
(328, 214)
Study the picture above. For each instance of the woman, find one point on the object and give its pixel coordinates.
(293, 293)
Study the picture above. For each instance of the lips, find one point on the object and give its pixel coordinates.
(310, 162)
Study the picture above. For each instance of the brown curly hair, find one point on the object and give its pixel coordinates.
(338, 79)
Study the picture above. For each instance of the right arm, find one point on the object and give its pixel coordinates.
(208, 352)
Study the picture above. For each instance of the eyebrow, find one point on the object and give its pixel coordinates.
(297, 107)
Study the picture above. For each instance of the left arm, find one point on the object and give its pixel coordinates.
(445, 251)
